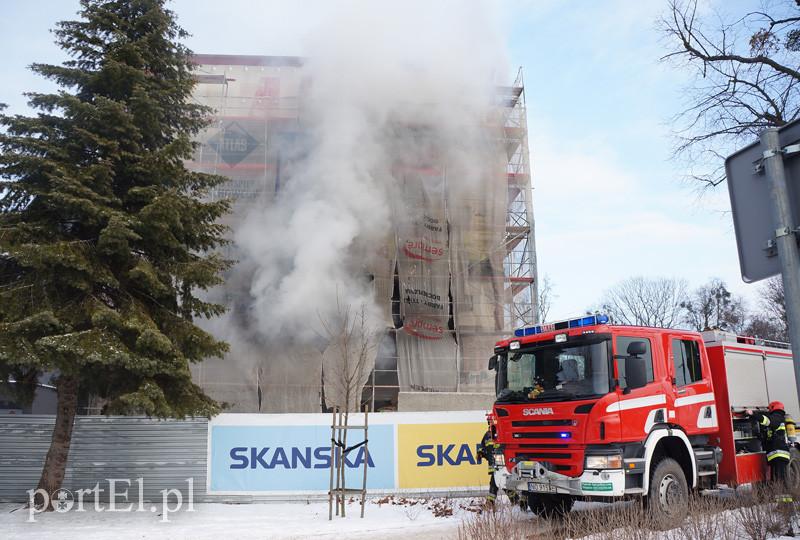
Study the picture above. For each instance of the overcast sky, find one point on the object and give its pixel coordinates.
(608, 201)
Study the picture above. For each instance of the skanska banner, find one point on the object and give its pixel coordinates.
(291, 453)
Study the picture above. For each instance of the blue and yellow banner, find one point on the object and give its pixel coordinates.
(440, 455)
(272, 453)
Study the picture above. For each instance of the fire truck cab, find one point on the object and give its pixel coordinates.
(596, 411)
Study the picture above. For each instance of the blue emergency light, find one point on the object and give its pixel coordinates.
(589, 320)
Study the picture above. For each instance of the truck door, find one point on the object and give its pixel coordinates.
(642, 402)
(694, 398)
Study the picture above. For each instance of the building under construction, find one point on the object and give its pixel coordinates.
(457, 270)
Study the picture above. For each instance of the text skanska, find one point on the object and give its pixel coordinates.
(292, 458)
(450, 454)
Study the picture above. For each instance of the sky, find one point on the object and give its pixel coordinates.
(609, 202)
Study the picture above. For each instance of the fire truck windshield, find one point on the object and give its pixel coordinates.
(577, 369)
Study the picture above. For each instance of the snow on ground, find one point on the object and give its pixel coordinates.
(280, 521)
(388, 518)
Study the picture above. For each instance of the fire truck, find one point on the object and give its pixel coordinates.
(589, 410)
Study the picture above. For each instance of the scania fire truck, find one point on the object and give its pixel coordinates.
(590, 410)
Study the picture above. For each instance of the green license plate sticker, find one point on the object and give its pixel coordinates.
(604, 486)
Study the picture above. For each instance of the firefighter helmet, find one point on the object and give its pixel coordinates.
(776, 406)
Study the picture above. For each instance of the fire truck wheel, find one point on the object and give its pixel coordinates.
(668, 496)
(549, 506)
(794, 469)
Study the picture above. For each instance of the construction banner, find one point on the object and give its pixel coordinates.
(440, 456)
(272, 454)
(264, 458)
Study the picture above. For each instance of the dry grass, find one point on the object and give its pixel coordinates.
(752, 514)
(504, 522)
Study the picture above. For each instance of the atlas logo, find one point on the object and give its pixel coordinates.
(292, 458)
(537, 412)
(447, 454)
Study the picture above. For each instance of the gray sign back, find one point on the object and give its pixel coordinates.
(752, 208)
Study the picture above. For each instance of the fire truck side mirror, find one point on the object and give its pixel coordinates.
(493, 362)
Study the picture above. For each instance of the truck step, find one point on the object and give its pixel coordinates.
(706, 473)
(634, 491)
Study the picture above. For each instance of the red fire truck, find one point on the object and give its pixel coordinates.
(588, 410)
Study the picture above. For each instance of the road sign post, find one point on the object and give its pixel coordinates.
(785, 240)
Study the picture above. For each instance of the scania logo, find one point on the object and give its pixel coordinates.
(537, 412)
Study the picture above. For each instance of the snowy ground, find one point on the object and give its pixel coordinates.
(244, 521)
(388, 518)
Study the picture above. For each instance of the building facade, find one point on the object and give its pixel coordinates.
(455, 272)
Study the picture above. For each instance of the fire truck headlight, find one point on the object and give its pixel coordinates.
(499, 460)
(613, 461)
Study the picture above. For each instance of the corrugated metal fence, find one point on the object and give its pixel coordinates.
(164, 453)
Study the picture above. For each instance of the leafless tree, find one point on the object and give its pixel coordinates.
(349, 357)
(773, 301)
(646, 301)
(713, 306)
(770, 322)
(546, 297)
(747, 77)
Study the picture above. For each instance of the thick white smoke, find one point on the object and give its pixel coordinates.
(369, 65)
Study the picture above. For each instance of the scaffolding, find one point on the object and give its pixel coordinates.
(486, 283)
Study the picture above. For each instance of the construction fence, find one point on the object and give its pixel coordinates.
(244, 457)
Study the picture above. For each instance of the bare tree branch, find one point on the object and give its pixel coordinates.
(641, 301)
(746, 71)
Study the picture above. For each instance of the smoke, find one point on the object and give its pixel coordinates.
(370, 66)
(385, 88)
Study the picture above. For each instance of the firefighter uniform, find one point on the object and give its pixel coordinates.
(778, 429)
(487, 447)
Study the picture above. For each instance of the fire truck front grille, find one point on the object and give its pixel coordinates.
(542, 435)
(541, 423)
(563, 460)
(539, 456)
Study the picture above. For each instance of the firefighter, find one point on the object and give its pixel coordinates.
(777, 427)
(486, 451)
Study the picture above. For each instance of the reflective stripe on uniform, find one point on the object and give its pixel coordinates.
(778, 454)
(764, 421)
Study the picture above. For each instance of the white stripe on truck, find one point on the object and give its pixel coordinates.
(636, 403)
(693, 400)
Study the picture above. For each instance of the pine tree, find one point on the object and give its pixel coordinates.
(105, 236)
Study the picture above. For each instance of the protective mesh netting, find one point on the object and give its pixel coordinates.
(440, 276)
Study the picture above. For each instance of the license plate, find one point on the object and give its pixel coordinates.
(541, 488)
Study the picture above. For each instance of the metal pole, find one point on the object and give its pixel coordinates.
(785, 239)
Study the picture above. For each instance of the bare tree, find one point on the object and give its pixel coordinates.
(546, 297)
(771, 322)
(747, 78)
(713, 306)
(349, 357)
(773, 301)
(644, 301)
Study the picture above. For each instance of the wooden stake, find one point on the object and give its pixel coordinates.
(366, 459)
(330, 488)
